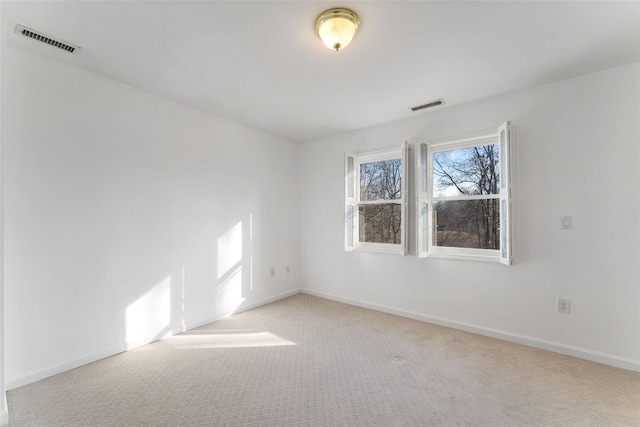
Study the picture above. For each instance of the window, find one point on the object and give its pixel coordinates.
(464, 198)
(375, 202)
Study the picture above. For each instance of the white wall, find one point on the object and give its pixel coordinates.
(577, 147)
(128, 216)
(4, 412)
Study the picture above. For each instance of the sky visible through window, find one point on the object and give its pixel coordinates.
(466, 171)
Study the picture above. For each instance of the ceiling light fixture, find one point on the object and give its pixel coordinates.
(336, 27)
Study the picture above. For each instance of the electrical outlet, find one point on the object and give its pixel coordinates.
(273, 272)
(564, 305)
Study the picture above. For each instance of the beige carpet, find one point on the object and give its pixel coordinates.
(306, 361)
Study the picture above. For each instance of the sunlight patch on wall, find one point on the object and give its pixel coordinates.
(250, 251)
(229, 249)
(229, 289)
(183, 324)
(189, 341)
(150, 315)
(229, 293)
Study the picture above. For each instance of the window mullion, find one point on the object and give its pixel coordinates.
(380, 202)
(468, 197)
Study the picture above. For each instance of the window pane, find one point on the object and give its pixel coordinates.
(380, 223)
(467, 223)
(466, 171)
(381, 180)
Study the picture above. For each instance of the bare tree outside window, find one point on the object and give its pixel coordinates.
(470, 223)
(380, 195)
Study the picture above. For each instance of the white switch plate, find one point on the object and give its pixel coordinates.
(566, 222)
(564, 305)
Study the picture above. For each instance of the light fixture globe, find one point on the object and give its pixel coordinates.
(336, 27)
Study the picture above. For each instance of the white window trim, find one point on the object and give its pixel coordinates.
(352, 201)
(425, 199)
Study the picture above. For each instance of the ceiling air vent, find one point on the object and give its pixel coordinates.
(434, 103)
(27, 32)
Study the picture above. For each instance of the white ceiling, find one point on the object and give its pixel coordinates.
(261, 63)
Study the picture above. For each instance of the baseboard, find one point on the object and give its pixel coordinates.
(41, 374)
(4, 411)
(582, 353)
(269, 300)
(242, 308)
(172, 330)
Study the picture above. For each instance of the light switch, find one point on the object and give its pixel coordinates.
(566, 223)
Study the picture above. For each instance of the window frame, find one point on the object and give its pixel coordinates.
(353, 200)
(425, 198)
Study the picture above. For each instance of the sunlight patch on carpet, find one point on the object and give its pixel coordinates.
(190, 341)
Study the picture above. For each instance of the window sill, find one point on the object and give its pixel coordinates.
(380, 249)
(465, 257)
